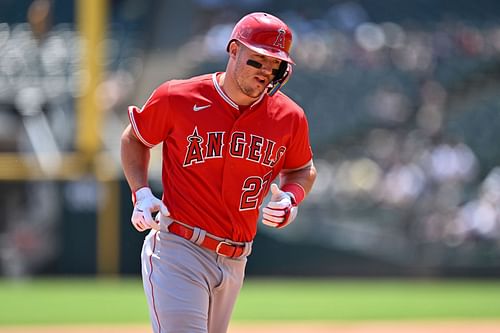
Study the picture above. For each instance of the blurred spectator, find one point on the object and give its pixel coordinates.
(39, 18)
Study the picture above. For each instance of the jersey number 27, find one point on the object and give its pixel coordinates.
(252, 189)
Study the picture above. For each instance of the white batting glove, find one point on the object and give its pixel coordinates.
(281, 210)
(145, 205)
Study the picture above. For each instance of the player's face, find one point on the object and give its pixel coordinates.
(251, 80)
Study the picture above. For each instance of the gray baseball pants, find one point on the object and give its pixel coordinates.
(188, 288)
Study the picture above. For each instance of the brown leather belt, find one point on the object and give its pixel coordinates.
(220, 246)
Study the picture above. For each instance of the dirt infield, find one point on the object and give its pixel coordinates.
(363, 327)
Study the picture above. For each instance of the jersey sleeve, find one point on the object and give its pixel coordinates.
(299, 153)
(151, 123)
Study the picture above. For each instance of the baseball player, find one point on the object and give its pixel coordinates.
(226, 136)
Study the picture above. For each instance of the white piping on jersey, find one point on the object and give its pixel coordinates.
(134, 125)
(226, 98)
(221, 92)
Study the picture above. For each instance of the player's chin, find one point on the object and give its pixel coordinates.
(253, 93)
(259, 89)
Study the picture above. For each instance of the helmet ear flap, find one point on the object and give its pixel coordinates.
(280, 79)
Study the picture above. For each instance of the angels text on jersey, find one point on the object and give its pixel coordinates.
(251, 147)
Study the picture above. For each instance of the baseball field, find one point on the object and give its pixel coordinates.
(271, 305)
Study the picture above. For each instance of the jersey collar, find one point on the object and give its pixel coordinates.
(226, 98)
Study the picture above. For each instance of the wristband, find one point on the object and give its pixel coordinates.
(296, 190)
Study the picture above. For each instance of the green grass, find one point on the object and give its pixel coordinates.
(87, 301)
(368, 300)
(67, 301)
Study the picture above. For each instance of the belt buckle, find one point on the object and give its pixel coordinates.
(217, 249)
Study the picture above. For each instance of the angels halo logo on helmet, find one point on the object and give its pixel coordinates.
(267, 35)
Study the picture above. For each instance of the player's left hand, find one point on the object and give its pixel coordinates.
(281, 210)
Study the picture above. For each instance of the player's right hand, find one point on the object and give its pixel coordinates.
(145, 205)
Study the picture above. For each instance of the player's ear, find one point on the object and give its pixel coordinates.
(233, 48)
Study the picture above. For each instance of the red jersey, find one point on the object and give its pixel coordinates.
(219, 162)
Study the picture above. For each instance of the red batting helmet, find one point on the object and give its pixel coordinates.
(265, 34)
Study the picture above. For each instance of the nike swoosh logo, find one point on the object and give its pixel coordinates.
(197, 108)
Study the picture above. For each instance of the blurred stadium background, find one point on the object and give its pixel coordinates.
(404, 109)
